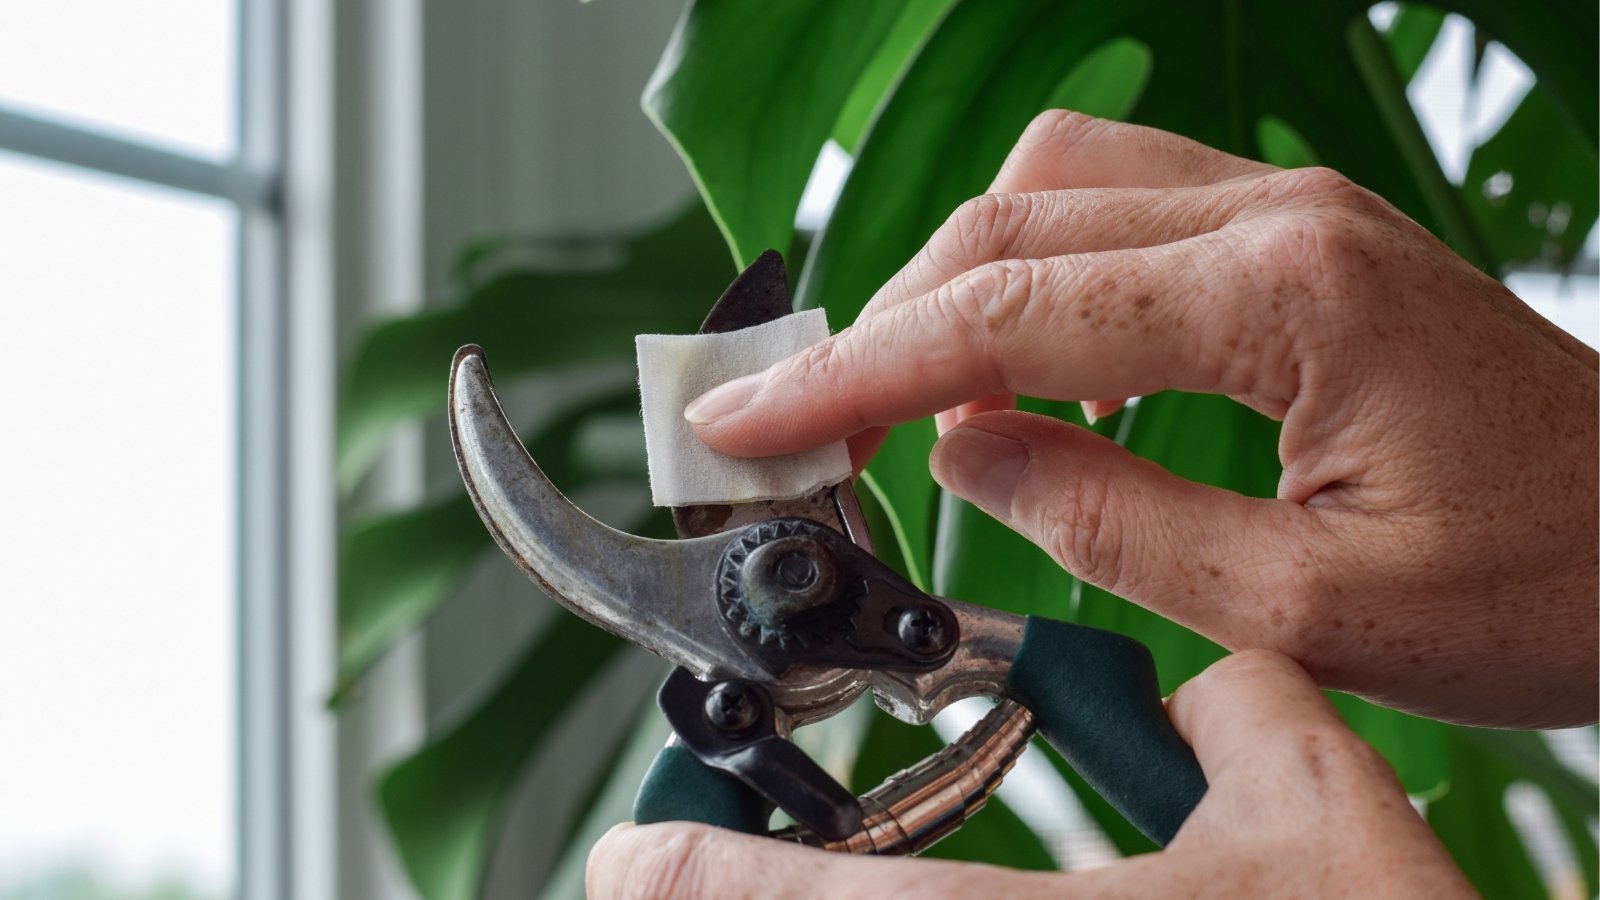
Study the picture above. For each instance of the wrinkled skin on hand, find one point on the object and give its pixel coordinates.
(1433, 544)
(1298, 807)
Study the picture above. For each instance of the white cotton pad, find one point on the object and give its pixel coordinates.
(676, 368)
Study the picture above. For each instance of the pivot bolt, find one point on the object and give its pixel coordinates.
(923, 631)
(787, 578)
(796, 572)
(731, 708)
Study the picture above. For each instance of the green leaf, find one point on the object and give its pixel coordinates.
(980, 560)
(899, 479)
(1218, 69)
(612, 805)
(1471, 820)
(1573, 795)
(995, 835)
(916, 19)
(394, 571)
(1411, 35)
(986, 70)
(664, 282)
(1530, 755)
(1236, 449)
(748, 93)
(884, 544)
(443, 804)
(1534, 187)
(1283, 146)
(1375, 63)
(1554, 38)
(1107, 83)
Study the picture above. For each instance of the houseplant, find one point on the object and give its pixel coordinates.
(927, 96)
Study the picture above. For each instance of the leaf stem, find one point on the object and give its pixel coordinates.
(1388, 90)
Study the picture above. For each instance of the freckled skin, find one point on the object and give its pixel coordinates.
(1439, 445)
(1439, 438)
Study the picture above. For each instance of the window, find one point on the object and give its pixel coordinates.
(137, 309)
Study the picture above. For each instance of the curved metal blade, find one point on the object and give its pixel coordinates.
(656, 594)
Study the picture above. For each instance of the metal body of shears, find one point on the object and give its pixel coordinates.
(778, 614)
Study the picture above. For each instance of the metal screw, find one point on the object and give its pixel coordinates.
(730, 707)
(796, 571)
(922, 631)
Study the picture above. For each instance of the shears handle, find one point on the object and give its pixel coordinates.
(1095, 698)
(680, 788)
(1093, 695)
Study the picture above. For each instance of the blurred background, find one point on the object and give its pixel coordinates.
(206, 208)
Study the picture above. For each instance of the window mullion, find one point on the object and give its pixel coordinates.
(264, 720)
(41, 137)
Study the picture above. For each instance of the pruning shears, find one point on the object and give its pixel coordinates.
(777, 614)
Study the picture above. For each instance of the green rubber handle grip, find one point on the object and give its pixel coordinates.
(680, 788)
(1095, 698)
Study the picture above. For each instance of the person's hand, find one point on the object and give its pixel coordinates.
(1298, 807)
(1433, 545)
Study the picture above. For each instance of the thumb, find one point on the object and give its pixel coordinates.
(1202, 556)
(679, 860)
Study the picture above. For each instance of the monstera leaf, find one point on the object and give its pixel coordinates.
(655, 281)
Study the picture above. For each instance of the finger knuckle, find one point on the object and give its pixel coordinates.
(1225, 677)
(1301, 606)
(1079, 534)
(1252, 665)
(826, 366)
(1323, 251)
(1318, 184)
(988, 303)
(1052, 124)
(984, 229)
(1051, 133)
(675, 865)
(1331, 755)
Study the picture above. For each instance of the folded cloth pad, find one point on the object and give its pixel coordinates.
(674, 369)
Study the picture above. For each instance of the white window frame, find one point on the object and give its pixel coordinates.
(252, 181)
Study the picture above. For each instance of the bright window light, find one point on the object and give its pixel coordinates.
(116, 596)
(154, 70)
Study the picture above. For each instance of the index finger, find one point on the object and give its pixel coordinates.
(1063, 150)
(1081, 327)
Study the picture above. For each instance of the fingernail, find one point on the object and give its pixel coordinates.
(1088, 411)
(982, 467)
(719, 401)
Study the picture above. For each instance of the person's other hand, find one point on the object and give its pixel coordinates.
(1433, 545)
(1298, 807)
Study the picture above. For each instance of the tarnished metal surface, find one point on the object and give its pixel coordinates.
(760, 294)
(990, 640)
(652, 593)
(662, 596)
(657, 594)
(917, 807)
